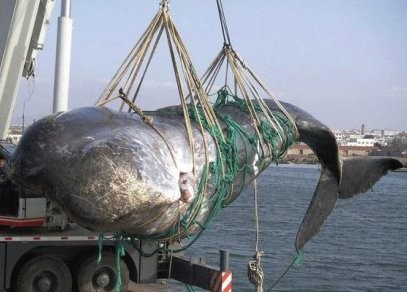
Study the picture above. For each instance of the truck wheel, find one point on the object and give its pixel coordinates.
(101, 277)
(44, 274)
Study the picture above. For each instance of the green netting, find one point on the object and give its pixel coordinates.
(226, 160)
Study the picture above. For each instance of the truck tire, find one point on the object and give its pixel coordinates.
(44, 274)
(93, 276)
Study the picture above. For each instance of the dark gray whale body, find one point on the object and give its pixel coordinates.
(110, 171)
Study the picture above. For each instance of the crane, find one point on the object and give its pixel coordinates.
(23, 25)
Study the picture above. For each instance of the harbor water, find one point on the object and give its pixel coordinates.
(361, 247)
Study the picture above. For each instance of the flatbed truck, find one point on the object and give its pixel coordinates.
(36, 259)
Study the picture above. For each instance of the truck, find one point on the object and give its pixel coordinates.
(33, 259)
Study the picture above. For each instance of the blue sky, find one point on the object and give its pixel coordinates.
(345, 62)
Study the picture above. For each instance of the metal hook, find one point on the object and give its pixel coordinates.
(165, 4)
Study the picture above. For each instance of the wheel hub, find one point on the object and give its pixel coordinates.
(44, 284)
(103, 279)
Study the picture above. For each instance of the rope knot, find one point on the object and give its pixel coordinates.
(228, 178)
(148, 119)
(213, 168)
(255, 272)
(253, 141)
(299, 258)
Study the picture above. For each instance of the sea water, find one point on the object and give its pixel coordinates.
(361, 247)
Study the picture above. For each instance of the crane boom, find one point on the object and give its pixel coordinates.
(22, 31)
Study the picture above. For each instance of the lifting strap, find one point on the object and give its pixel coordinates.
(249, 86)
(125, 87)
(123, 83)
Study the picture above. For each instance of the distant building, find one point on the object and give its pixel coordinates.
(346, 151)
(401, 138)
(340, 136)
(365, 141)
(362, 137)
(301, 149)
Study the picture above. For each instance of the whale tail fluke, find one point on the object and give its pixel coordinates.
(359, 174)
(340, 178)
(321, 205)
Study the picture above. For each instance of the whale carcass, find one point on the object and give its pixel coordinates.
(110, 171)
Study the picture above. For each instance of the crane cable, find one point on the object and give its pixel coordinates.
(223, 24)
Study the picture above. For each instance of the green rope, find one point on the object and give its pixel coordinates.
(189, 288)
(100, 248)
(119, 252)
(267, 132)
(299, 259)
(296, 262)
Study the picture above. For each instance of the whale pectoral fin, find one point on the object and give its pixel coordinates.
(321, 205)
(359, 174)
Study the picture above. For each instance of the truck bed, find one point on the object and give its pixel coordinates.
(41, 233)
